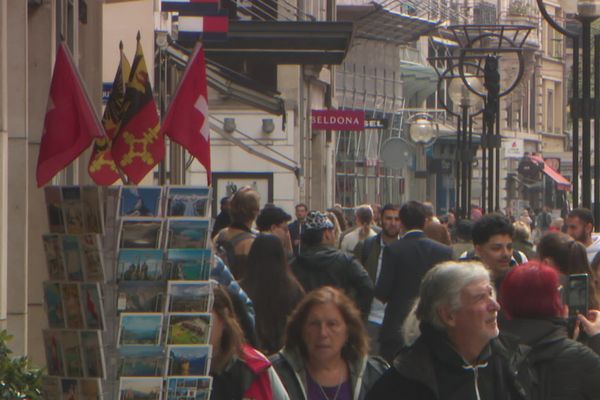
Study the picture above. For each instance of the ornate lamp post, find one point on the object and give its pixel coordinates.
(582, 105)
(481, 47)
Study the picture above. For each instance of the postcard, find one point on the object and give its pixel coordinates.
(92, 305)
(93, 261)
(140, 233)
(72, 352)
(186, 328)
(189, 296)
(140, 265)
(72, 207)
(72, 305)
(93, 354)
(54, 352)
(189, 264)
(70, 389)
(51, 388)
(141, 201)
(141, 360)
(189, 388)
(140, 296)
(140, 329)
(72, 257)
(54, 306)
(189, 360)
(92, 209)
(90, 389)
(111, 204)
(53, 246)
(187, 201)
(53, 196)
(140, 389)
(188, 233)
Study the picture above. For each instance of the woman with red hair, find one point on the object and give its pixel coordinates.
(531, 298)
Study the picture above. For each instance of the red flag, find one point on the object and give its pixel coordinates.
(70, 124)
(187, 118)
(101, 167)
(138, 145)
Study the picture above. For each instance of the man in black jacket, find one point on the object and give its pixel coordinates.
(456, 354)
(321, 264)
(404, 264)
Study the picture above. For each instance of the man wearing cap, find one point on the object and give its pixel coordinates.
(274, 220)
(321, 264)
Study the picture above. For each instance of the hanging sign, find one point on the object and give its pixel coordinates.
(338, 120)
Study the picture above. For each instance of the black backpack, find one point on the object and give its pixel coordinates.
(225, 249)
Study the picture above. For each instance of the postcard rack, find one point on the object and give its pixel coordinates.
(128, 299)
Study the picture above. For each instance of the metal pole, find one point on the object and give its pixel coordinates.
(491, 175)
(596, 133)
(497, 143)
(470, 167)
(465, 167)
(585, 116)
(458, 171)
(484, 139)
(575, 118)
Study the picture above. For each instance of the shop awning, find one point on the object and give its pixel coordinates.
(562, 183)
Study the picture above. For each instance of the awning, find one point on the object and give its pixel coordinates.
(562, 183)
(377, 22)
(283, 42)
(232, 84)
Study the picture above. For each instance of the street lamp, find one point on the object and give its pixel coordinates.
(422, 129)
(582, 108)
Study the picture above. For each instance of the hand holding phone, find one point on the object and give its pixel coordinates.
(590, 323)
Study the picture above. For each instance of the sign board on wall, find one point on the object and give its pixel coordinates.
(338, 120)
(513, 148)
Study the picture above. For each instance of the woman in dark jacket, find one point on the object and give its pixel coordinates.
(273, 289)
(326, 350)
(565, 369)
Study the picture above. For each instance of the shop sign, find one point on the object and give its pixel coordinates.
(513, 148)
(338, 120)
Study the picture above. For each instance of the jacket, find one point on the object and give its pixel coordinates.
(431, 370)
(296, 229)
(290, 368)
(367, 252)
(320, 265)
(565, 369)
(403, 266)
(249, 376)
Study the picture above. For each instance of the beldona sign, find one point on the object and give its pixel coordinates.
(338, 120)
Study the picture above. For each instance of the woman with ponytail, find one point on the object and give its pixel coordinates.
(568, 257)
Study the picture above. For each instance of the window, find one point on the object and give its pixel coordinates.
(550, 111)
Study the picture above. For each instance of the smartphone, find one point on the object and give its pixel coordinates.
(578, 294)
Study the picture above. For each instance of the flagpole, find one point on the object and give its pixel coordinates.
(120, 172)
(162, 175)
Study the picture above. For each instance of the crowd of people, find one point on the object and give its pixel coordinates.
(400, 304)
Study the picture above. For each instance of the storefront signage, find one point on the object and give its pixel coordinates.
(338, 120)
(513, 148)
(376, 123)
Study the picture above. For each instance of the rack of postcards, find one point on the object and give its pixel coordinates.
(128, 299)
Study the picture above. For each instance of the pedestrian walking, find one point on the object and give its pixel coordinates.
(404, 264)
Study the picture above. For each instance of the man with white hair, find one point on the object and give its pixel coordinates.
(455, 353)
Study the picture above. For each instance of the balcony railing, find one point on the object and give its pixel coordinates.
(410, 54)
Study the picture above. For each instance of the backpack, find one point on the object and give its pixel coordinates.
(367, 246)
(225, 248)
